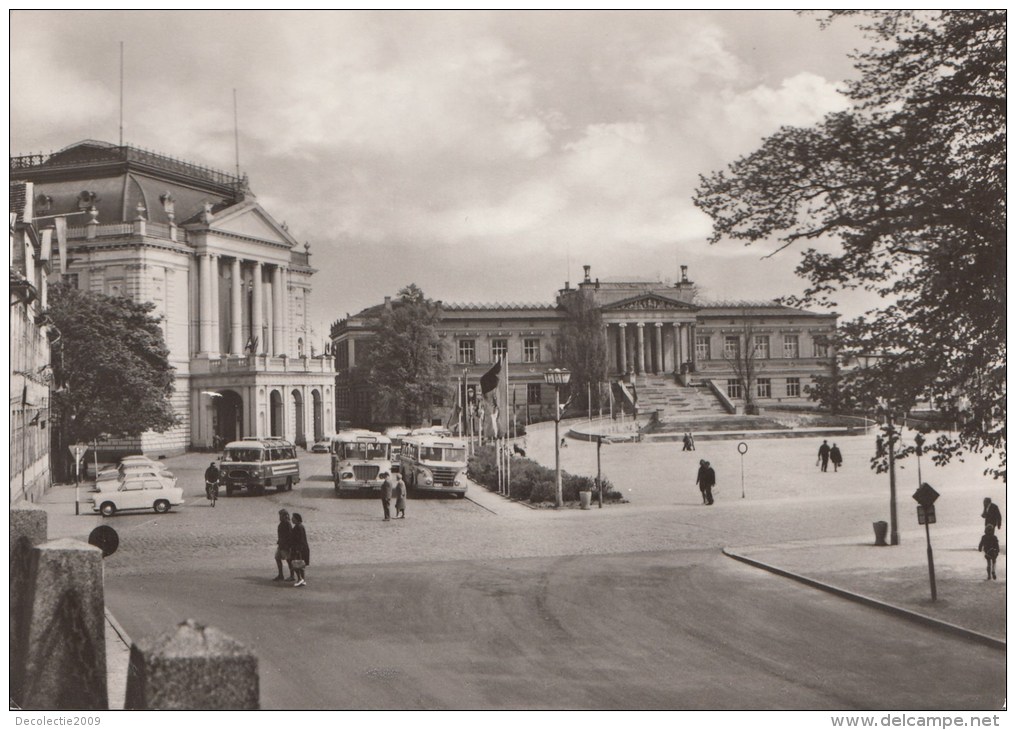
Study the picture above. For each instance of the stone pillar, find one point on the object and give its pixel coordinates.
(258, 315)
(216, 309)
(28, 529)
(623, 336)
(659, 348)
(204, 304)
(692, 350)
(193, 668)
(677, 347)
(65, 657)
(236, 310)
(640, 365)
(277, 347)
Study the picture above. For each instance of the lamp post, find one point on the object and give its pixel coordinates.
(557, 377)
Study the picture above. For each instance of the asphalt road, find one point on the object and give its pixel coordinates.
(629, 607)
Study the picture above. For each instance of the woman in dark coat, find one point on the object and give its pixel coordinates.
(299, 549)
(836, 457)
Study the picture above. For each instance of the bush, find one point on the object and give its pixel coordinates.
(534, 482)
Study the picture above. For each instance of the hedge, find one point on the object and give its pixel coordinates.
(534, 482)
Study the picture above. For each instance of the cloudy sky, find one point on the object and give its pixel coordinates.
(485, 156)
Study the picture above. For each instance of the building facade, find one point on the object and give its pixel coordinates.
(659, 337)
(229, 282)
(30, 371)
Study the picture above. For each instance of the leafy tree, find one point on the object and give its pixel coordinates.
(406, 372)
(746, 363)
(903, 195)
(111, 366)
(581, 347)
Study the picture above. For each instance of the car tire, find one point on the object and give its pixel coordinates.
(108, 509)
(161, 506)
(289, 484)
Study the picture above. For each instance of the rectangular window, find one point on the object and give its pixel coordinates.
(821, 347)
(791, 346)
(733, 388)
(731, 346)
(793, 387)
(764, 388)
(530, 350)
(533, 391)
(467, 352)
(762, 347)
(498, 349)
(702, 347)
(70, 280)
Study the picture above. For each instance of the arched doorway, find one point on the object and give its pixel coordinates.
(276, 414)
(319, 431)
(301, 437)
(227, 418)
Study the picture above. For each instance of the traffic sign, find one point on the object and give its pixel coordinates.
(925, 495)
(926, 515)
(77, 450)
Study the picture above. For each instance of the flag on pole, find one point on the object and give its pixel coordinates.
(61, 241)
(489, 380)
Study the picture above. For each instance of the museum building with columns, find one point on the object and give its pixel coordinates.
(229, 282)
(675, 348)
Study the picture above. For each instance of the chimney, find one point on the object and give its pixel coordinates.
(597, 282)
(586, 269)
(388, 304)
(684, 274)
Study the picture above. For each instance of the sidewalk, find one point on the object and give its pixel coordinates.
(897, 576)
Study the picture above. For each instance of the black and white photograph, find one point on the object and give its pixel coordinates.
(543, 361)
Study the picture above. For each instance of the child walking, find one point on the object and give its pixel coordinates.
(989, 544)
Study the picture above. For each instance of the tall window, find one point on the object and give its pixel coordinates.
(762, 346)
(764, 388)
(821, 347)
(702, 347)
(793, 387)
(467, 352)
(531, 350)
(791, 346)
(733, 388)
(533, 393)
(498, 349)
(71, 280)
(731, 346)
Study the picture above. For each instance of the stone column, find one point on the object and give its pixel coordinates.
(277, 348)
(204, 304)
(623, 337)
(213, 280)
(659, 348)
(677, 347)
(236, 310)
(692, 350)
(284, 344)
(258, 315)
(640, 365)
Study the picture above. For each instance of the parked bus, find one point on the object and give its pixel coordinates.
(254, 464)
(434, 463)
(359, 458)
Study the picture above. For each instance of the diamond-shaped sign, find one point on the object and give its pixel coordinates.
(925, 495)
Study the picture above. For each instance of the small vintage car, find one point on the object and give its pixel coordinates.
(321, 447)
(137, 492)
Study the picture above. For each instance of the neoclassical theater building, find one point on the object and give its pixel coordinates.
(675, 349)
(229, 282)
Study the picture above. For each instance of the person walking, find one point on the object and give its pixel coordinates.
(687, 442)
(283, 545)
(992, 514)
(400, 497)
(706, 480)
(212, 483)
(300, 551)
(386, 495)
(836, 457)
(823, 456)
(989, 544)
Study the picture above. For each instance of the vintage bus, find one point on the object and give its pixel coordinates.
(254, 464)
(359, 458)
(434, 463)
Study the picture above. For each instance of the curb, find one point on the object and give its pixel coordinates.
(990, 641)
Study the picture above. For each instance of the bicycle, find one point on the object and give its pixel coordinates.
(212, 492)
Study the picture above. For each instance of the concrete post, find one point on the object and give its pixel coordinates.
(28, 529)
(192, 668)
(65, 657)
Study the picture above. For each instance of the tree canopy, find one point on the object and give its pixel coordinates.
(581, 347)
(405, 368)
(111, 366)
(902, 195)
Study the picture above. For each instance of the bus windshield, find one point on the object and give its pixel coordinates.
(362, 450)
(247, 455)
(439, 453)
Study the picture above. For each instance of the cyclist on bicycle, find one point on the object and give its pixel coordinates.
(212, 482)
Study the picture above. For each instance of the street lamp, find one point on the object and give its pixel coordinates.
(557, 377)
(884, 407)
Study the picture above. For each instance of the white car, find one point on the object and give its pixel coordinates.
(137, 492)
(112, 480)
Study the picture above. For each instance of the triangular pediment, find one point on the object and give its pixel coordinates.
(250, 220)
(650, 303)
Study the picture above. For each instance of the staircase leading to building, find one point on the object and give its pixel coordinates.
(674, 401)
